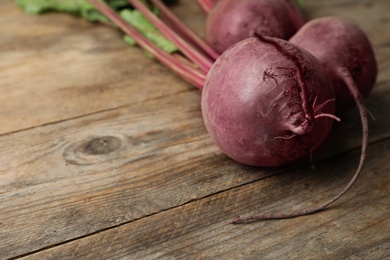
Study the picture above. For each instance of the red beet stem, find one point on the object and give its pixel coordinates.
(182, 69)
(204, 62)
(185, 30)
(205, 5)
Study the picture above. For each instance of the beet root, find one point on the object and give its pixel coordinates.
(341, 45)
(267, 102)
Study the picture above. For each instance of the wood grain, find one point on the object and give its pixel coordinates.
(104, 155)
(55, 67)
(354, 228)
(77, 177)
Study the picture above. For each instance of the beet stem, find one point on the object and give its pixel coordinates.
(185, 30)
(346, 75)
(205, 5)
(204, 62)
(182, 69)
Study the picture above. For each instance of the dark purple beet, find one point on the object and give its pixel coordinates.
(340, 44)
(263, 102)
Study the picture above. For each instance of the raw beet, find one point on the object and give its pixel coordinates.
(231, 21)
(263, 100)
(340, 44)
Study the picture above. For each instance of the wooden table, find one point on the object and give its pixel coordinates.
(104, 155)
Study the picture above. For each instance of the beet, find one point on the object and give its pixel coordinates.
(340, 44)
(261, 102)
(231, 21)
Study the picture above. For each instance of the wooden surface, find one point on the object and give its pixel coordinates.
(104, 155)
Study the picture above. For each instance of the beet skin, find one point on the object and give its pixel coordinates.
(262, 102)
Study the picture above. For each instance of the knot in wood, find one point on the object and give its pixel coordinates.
(102, 145)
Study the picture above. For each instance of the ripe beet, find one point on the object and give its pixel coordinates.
(340, 44)
(231, 21)
(264, 102)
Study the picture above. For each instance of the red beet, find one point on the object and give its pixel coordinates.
(263, 100)
(341, 45)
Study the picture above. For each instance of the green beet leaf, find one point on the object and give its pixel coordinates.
(84, 9)
(139, 22)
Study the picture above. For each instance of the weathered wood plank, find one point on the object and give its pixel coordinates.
(73, 178)
(55, 66)
(354, 227)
